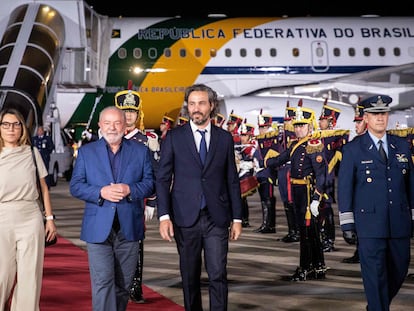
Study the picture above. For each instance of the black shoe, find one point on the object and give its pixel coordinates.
(319, 273)
(290, 238)
(328, 246)
(265, 229)
(135, 293)
(353, 259)
(245, 224)
(300, 275)
(137, 298)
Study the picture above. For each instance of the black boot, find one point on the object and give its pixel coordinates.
(353, 259)
(269, 217)
(245, 213)
(328, 229)
(135, 292)
(293, 230)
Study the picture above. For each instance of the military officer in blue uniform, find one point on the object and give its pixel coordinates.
(308, 175)
(376, 201)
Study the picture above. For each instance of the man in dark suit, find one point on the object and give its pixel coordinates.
(198, 203)
(375, 201)
(45, 145)
(113, 176)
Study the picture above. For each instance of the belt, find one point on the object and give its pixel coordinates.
(299, 181)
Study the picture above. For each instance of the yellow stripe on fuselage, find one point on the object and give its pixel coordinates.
(165, 90)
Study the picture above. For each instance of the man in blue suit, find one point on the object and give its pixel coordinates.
(113, 176)
(198, 201)
(375, 201)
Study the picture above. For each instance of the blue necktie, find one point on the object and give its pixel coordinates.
(203, 146)
(203, 153)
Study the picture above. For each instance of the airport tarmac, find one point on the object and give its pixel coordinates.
(257, 265)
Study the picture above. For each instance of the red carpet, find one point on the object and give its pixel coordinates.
(66, 283)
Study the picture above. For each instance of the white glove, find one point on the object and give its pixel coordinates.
(314, 208)
(149, 212)
(246, 165)
(87, 134)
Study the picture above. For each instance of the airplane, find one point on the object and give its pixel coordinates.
(251, 62)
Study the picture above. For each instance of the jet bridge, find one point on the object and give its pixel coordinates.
(47, 47)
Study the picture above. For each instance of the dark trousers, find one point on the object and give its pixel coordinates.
(203, 235)
(384, 266)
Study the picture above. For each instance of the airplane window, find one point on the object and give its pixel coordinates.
(227, 52)
(397, 52)
(367, 52)
(167, 52)
(273, 52)
(137, 53)
(243, 52)
(152, 53)
(319, 52)
(258, 52)
(122, 53)
(183, 53)
(351, 52)
(337, 52)
(197, 52)
(381, 51)
(295, 52)
(213, 52)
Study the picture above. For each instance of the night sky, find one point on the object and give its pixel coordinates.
(255, 8)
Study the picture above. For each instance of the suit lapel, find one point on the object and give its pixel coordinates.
(102, 150)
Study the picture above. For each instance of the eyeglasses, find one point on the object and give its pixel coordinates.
(7, 125)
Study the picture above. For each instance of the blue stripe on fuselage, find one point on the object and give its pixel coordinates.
(225, 70)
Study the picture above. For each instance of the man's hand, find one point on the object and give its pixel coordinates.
(149, 212)
(235, 230)
(167, 229)
(350, 237)
(314, 208)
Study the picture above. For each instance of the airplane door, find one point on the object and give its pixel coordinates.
(319, 56)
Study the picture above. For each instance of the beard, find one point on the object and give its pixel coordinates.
(199, 118)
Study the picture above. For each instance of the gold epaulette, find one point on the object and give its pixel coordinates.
(401, 132)
(268, 135)
(329, 133)
(289, 127)
(314, 145)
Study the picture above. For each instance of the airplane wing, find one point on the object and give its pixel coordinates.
(395, 81)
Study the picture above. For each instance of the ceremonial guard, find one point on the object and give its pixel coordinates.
(218, 120)
(130, 102)
(376, 204)
(285, 136)
(308, 175)
(360, 128)
(266, 140)
(181, 120)
(333, 139)
(233, 123)
(244, 159)
(166, 124)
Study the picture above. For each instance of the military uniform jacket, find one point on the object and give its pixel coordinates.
(375, 198)
(307, 159)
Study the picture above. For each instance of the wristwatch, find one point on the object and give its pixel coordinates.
(50, 217)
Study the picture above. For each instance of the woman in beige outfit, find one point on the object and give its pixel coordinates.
(22, 232)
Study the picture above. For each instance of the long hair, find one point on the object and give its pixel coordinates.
(25, 138)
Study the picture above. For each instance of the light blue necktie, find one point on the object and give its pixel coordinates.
(203, 146)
